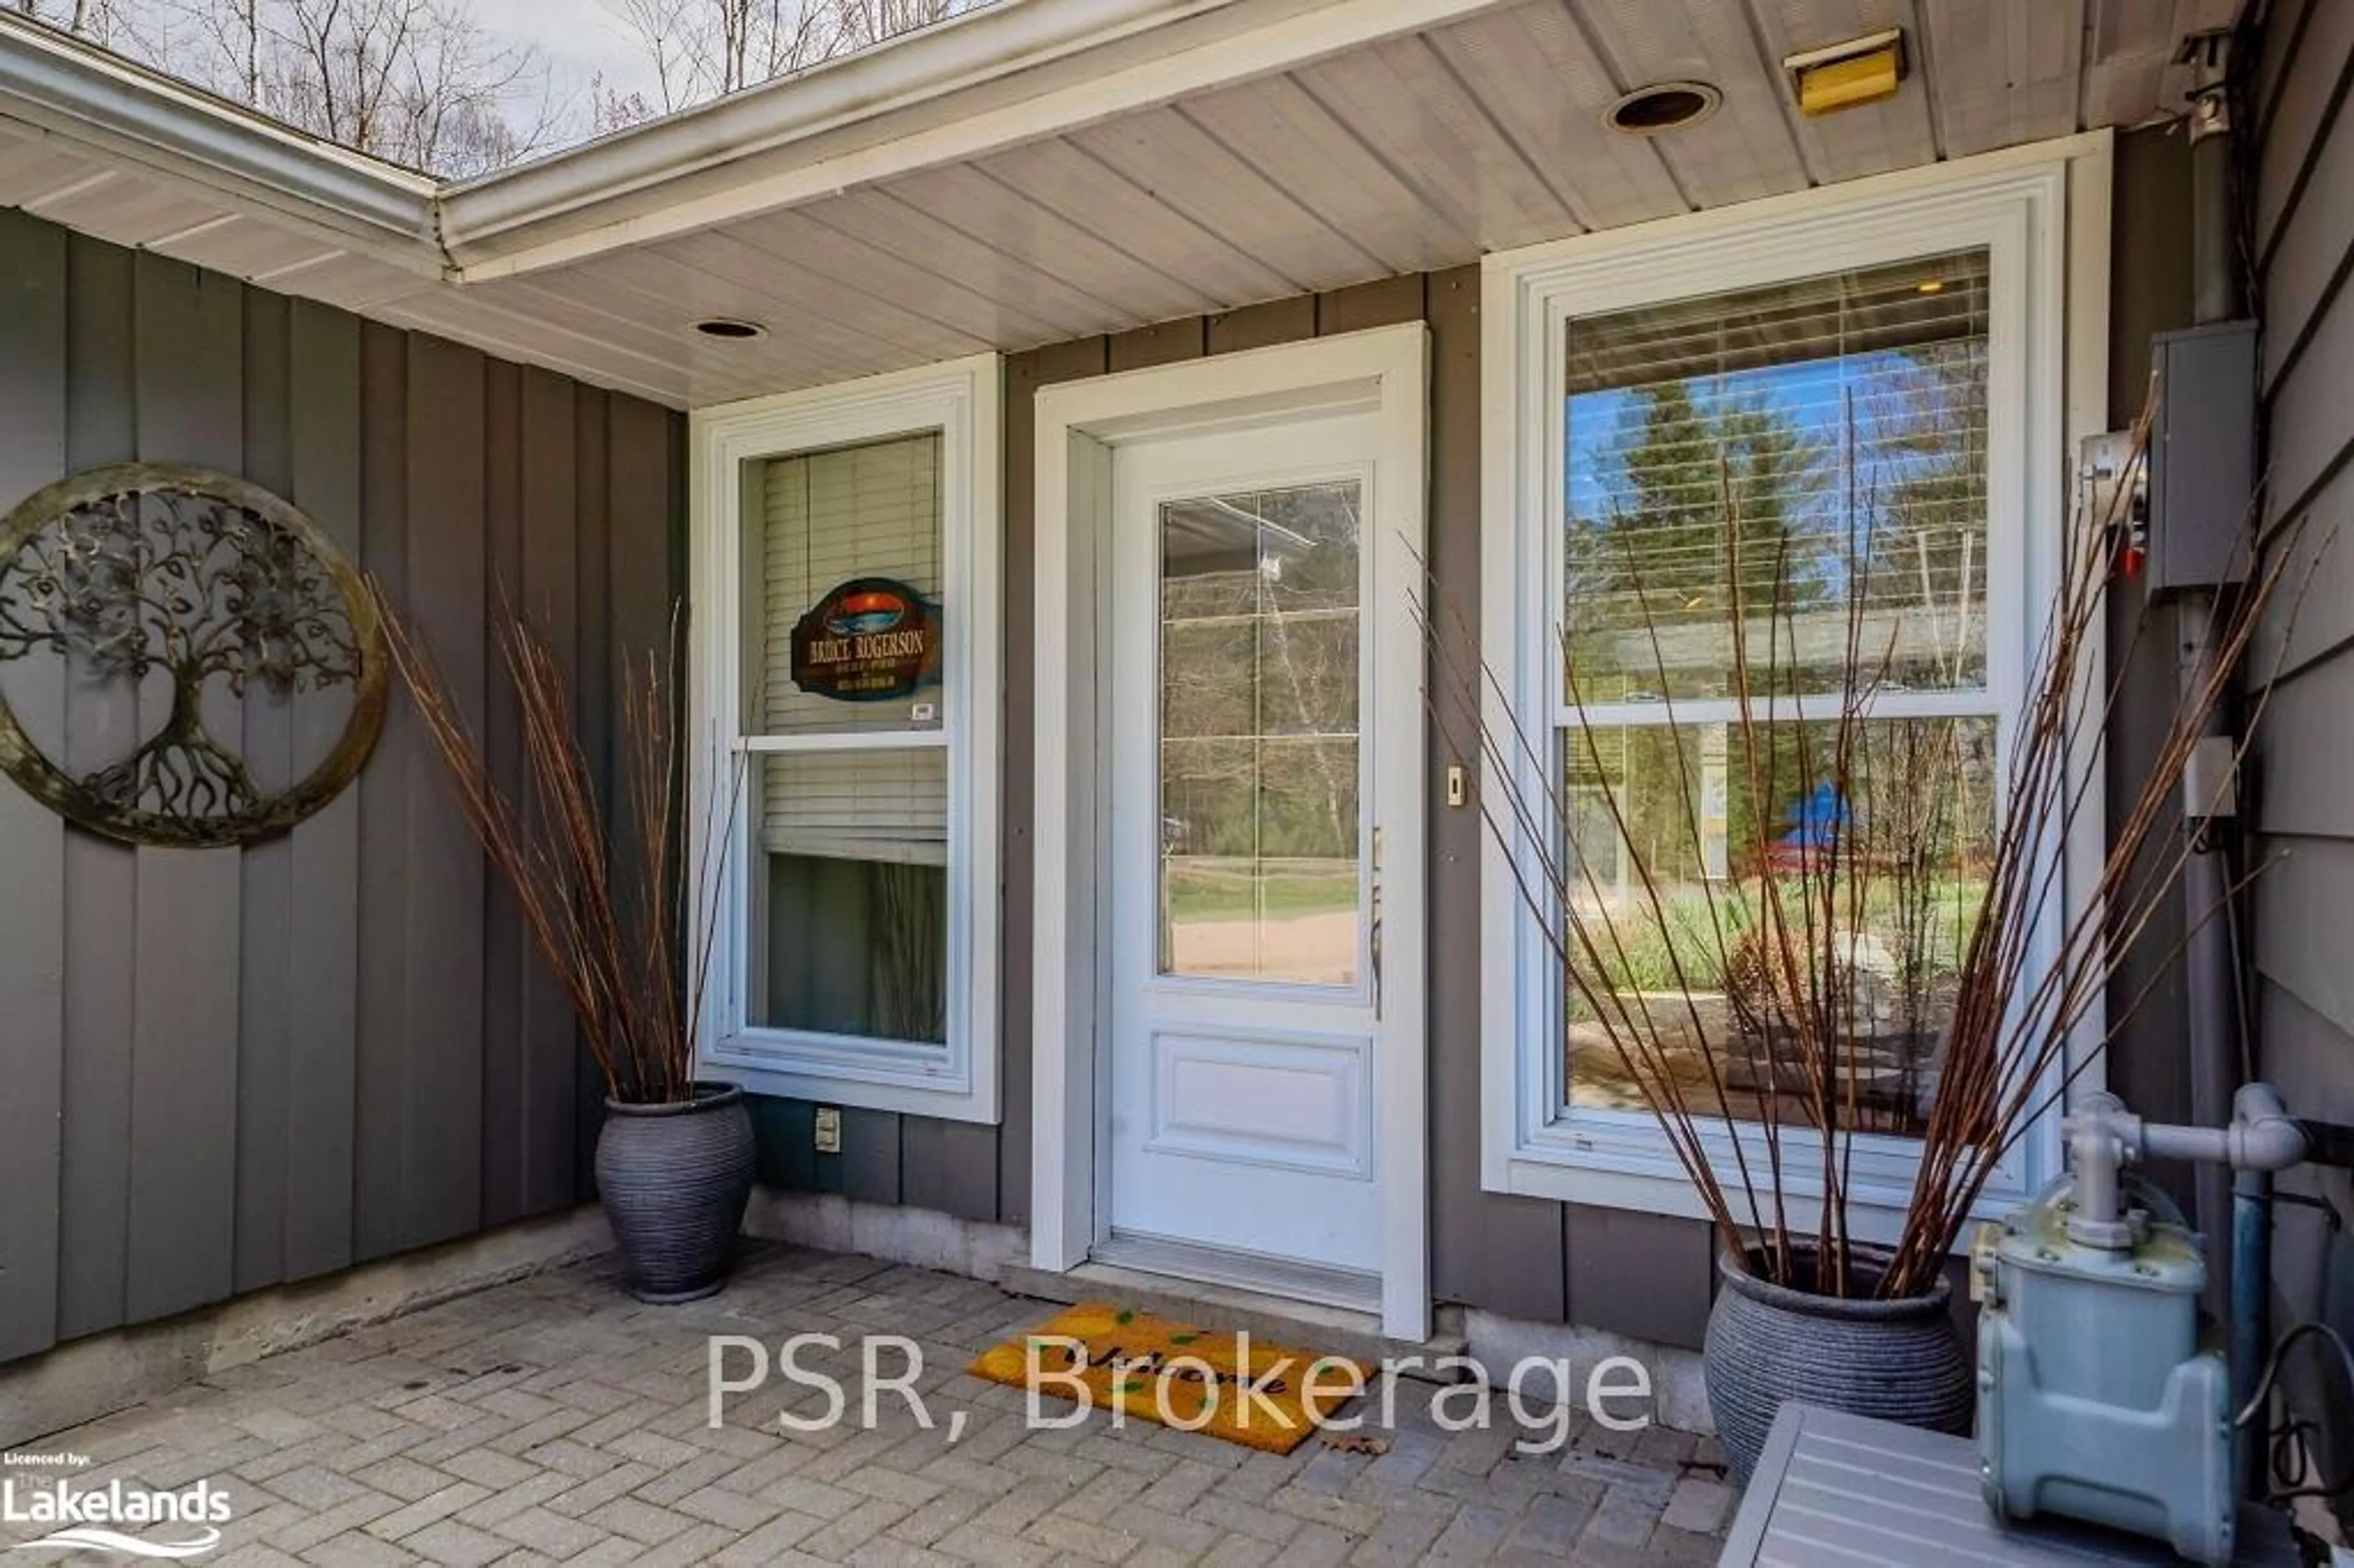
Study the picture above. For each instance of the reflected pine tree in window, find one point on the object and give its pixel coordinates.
(1775, 502)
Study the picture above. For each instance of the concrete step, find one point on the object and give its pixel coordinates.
(1300, 1324)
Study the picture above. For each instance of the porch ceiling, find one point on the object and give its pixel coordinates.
(1421, 146)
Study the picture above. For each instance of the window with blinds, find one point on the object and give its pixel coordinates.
(851, 800)
(1744, 455)
(827, 518)
(1802, 467)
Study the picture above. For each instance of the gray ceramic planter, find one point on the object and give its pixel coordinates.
(674, 1179)
(1899, 1361)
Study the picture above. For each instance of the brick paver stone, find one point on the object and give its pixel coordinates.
(554, 1419)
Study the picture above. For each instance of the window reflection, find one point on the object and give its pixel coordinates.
(1260, 744)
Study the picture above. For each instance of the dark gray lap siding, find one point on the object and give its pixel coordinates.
(2303, 234)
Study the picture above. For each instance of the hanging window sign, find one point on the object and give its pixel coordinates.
(871, 639)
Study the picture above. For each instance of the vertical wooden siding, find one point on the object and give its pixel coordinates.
(2303, 238)
(227, 1069)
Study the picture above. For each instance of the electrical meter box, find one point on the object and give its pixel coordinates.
(2202, 458)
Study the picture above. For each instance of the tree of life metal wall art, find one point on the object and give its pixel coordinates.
(222, 666)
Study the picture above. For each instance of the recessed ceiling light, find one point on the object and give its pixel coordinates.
(729, 329)
(1663, 106)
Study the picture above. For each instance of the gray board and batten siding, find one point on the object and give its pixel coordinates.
(2301, 236)
(226, 1069)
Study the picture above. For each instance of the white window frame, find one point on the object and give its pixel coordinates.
(961, 399)
(2042, 214)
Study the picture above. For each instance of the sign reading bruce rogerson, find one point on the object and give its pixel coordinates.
(871, 639)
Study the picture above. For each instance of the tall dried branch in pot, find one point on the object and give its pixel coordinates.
(598, 875)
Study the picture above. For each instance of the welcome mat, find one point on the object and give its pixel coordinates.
(1218, 1381)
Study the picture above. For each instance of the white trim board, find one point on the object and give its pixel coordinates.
(2042, 212)
(1079, 425)
(961, 399)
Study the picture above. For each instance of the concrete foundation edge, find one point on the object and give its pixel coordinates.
(921, 1238)
(86, 1379)
(1678, 1390)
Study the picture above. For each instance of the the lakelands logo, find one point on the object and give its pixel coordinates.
(169, 1524)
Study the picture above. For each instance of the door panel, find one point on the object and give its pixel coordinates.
(1243, 812)
(1297, 1102)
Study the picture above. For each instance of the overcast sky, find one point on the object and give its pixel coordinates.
(580, 39)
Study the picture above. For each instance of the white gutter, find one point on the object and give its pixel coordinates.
(78, 94)
(991, 79)
(994, 78)
(974, 46)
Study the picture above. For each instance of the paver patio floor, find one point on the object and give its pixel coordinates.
(556, 1420)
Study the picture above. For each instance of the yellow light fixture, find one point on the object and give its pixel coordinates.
(1930, 286)
(1848, 75)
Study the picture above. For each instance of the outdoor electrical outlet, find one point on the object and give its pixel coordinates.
(829, 1130)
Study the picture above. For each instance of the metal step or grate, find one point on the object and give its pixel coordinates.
(1286, 1279)
(1835, 1489)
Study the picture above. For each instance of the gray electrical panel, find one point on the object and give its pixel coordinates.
(2203, 458)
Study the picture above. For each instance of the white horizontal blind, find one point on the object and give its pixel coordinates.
(827, 518)
(857, 805)
(1839, 424)
(870, 511)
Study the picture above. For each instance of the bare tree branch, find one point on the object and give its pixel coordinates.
(418, 82)
(702, 49)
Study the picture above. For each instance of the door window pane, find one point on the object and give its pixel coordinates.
(1259, 824)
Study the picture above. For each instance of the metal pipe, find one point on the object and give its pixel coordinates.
(2252, 1272)
(2216, 292)
(2209, 1014)
(2262, 1136)
(2209, 966)
(2102, 1134)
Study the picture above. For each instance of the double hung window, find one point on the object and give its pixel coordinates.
(847, 547)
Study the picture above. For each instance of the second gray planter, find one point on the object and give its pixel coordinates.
(1899, 1361)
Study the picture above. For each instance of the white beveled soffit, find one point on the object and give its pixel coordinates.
(1039, 170)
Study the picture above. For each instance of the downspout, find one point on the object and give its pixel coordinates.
(2212, 961)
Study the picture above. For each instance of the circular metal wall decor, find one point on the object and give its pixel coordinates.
(184, 590)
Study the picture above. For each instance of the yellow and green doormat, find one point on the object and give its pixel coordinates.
(1218, 1381)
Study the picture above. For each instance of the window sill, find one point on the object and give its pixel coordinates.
(1625, 1177)
(788, 1067)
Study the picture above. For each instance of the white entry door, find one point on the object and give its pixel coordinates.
(1248, 713)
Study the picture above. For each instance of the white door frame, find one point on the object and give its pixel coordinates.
(1079, 423)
